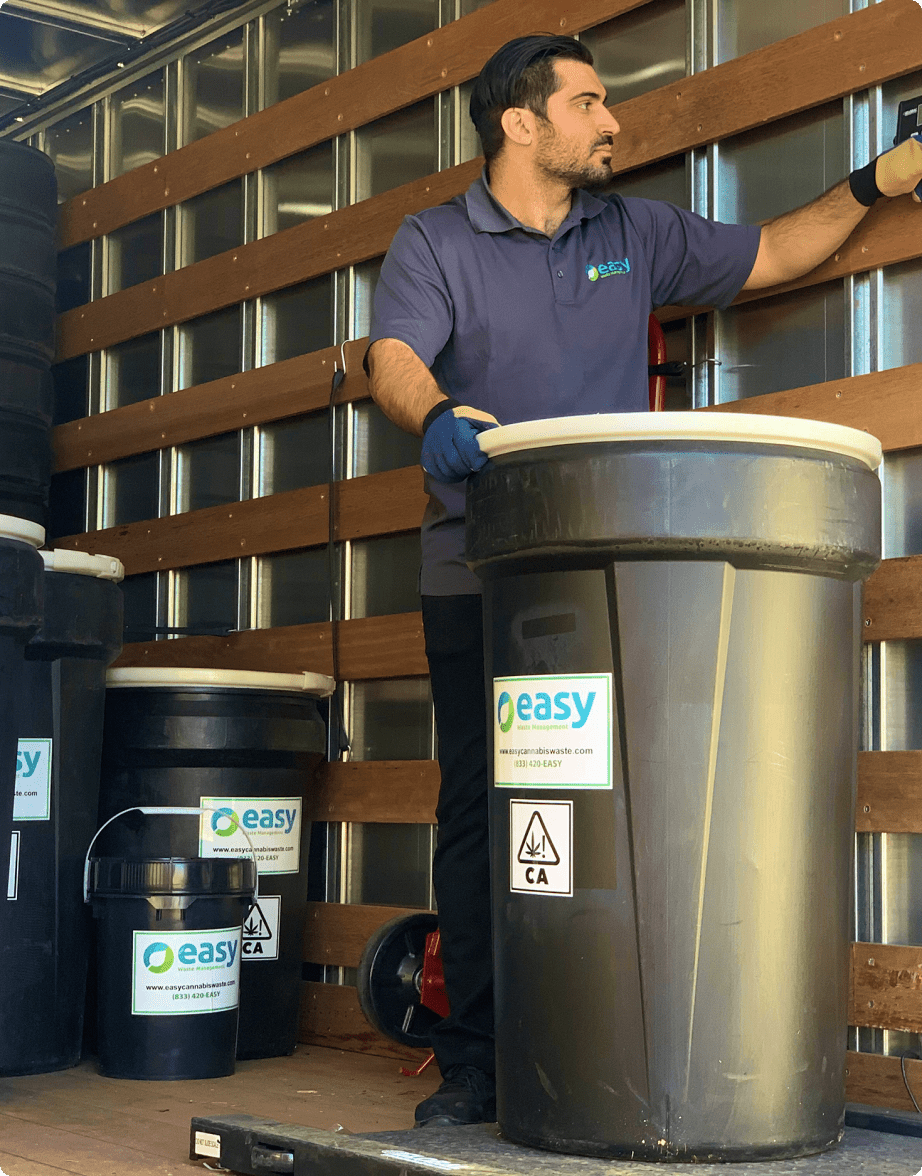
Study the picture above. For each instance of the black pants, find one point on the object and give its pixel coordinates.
(461, 867)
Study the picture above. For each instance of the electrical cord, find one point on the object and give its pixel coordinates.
(903, 1058)
(343, 743)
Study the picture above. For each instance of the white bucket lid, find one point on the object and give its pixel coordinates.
(683, 426)
(78, 563)
(317, 684)
(21, 529)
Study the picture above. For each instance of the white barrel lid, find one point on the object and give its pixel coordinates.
(21, 529)
(318, 685)
(683, 426)
(78, 563)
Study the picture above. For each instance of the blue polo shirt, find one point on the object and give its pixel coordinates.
(527, 327)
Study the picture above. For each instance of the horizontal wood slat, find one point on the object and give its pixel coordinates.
(378, 504)
(886, 404)
(893, 600)
(862, 44)
(878, 1081)
(886, 987)
(889, 792)
(256, 397)
(401, 792)
(336, 933)
(444, 58)
(369, 648)
(331, 1016)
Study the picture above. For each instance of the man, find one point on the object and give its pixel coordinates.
(491, 309)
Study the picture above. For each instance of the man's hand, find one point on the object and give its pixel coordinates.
(451, 451)
(900, 170)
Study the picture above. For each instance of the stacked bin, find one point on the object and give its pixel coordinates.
(44, 928)
(28, 216)
(673, 611)
(245, 746)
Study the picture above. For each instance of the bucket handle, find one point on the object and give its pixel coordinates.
(165, 811)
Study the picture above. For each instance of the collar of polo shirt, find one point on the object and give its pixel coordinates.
(487, 215)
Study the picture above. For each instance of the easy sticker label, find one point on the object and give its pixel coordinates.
(541, 847)
(32, 799)
(552, 731)
(273, 825)
(175, 973)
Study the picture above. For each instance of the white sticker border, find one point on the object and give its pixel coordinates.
(263, 899)
(550, 786)
(46, 816)
(210, 803)
(182, 1012)
(536, 806)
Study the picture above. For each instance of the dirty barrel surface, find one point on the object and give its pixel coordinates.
(672, 633)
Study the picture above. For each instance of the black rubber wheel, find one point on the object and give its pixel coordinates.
(390, 975)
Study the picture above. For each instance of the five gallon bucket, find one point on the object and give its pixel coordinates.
(45, 929)
(246, 746)
(168, 959)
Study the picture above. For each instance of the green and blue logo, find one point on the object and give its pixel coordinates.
(607, 269)
(156, 949)
(225, 814)
(505, 711)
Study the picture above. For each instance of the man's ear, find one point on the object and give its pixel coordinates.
(518, 123)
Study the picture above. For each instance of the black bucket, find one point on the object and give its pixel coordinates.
(168, 962)
(28, 215)
(21, 596)
(248, 744)
(45, 930)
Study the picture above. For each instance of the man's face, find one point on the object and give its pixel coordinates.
(574, 143)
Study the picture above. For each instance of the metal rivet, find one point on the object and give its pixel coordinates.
(867, 621)
(867, 808)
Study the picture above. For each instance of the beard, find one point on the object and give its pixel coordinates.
(562, 159)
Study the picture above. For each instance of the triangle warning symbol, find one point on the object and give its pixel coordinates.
(537, 845)
(255, 926)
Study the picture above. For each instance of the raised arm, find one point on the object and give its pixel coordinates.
(795, 243)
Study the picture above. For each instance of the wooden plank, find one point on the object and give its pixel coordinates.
(811, 68)
(444, 58)
(791, 75)
(893, 600)
(886, 987)
(378, 504)
(370, 648)
(878, 1081)
(402, 792)
(336, 933)
(331, 1016)
(885, 404)
(285, 389)
(889, 792)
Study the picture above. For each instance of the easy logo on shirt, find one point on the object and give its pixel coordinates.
(607, 269)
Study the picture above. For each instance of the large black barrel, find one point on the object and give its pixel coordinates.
(168, 963)
(21, 596)
(673, 636)
(28, 214)
(45, 929)
(245, 743)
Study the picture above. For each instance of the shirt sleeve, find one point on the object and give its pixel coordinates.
(693, 261)
(412, 302)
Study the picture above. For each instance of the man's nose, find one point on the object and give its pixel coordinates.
(608, 124)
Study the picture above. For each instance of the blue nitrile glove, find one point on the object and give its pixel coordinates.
(451, 451)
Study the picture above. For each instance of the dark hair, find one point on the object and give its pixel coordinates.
(521, 74)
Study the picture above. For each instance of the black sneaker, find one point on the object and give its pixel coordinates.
(467, 1095)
